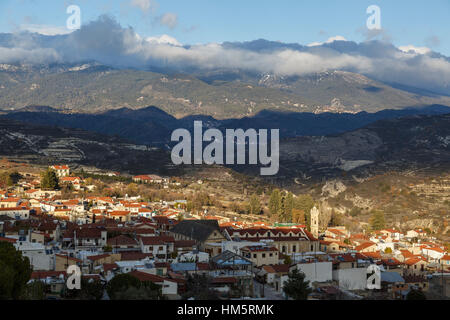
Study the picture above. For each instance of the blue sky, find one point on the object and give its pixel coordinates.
(418, 23)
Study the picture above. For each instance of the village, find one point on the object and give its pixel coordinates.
(183, 251)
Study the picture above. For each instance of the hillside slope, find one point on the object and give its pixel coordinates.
(91, 87)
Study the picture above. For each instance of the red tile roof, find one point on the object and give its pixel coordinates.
(132, 256)
(45, 274)
(364, 245)
(98, 257)
(122, 240)
(110, 266)
(10, 240)
(143, 276)
(277, 268)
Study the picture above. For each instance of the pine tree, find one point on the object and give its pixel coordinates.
(297, 287)
(305, 203)
(49, 180)
(288, 207)
(254, 205)
(275, 203)
(377, 221)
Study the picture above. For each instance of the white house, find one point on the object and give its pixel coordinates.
(434, 253)
(156, 246)
(17, 213)
(61, 171)
(317, 271)
(417, 233)
(351, 278)
(40, 257)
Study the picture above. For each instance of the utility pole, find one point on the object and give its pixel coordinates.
(442, 280)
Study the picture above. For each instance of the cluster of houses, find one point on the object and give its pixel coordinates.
(161, 243)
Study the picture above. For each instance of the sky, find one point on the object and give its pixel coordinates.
(411, 47)
(404, 22)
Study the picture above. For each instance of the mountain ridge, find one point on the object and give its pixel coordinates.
(153, 126)
(91, 88)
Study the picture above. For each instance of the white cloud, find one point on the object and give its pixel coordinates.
(44, 29)
(416, 50)
(29, 56)
(330, 40)
(105, 41)
(169, 20)
(164, 39)
(145, 5)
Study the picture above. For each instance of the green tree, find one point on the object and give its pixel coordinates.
(35, 290)
(199, 288)
(15, 272)
(121, 283)
(254, 206)
(91, 289)
(49, 180)
(288, 207)
(296, 287)
(15, 177)
(8, 179)
(377, 220)
(287, 260)
(336, 219)
(414, 294)
(305, 203)
(145, 292)
(275, 203)
(355, 211)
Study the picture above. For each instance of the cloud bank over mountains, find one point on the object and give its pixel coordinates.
(106, 41)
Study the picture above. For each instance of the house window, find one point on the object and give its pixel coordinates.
(294, 248)
(270, 254)
(263, 255)
(254, 255)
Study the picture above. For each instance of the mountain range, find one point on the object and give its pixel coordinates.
(92, 88)
(406, 144)
(49, 144)
(153, 127)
